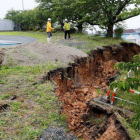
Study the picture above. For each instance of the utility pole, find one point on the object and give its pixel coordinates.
(22, 5)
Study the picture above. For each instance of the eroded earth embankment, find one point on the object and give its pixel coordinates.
(80, 82)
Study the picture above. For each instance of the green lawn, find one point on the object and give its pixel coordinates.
(36, 106)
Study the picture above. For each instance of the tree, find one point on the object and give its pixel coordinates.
(58, 9)
(106, 13)
(27, 19)
(40, 17)
(11, 14)
(61, 10)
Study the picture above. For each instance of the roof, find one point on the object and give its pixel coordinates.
(129, 31)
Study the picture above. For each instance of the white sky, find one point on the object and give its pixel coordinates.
(6, 5)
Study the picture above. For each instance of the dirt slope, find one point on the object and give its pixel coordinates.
(79, 83)
(40, 53)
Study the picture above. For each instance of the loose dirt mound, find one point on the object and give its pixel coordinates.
(40, 53)
(78, 84)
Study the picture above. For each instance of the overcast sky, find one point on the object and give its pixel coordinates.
(6, 5)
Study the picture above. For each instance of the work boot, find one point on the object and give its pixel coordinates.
(48, 40)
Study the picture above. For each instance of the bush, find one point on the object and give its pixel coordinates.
(42, 30)
(56, 30)
(72, 30)
(118, 32)
(35, 29)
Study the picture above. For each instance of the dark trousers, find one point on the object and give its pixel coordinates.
(49, 34)
(67, 32)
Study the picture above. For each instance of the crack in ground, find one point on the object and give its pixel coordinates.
(78, 84)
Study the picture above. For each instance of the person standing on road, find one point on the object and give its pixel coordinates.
(49, 29)
(67, 29)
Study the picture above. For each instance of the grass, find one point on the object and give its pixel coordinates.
(36, 106)
(80, 41)
(41, 36)
(89, 42)
(134, 135)
(127, 96)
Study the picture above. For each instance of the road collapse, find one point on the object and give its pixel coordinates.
(79, 83)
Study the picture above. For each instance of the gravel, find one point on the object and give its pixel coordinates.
(22, 39)
(81, 45)
(56, 134)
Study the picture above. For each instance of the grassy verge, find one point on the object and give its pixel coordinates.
(36, 106)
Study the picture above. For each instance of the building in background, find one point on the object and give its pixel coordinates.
(8, 25)
(132, 35)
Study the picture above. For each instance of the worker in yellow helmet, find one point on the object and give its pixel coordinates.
(49, 29)
(67, 29)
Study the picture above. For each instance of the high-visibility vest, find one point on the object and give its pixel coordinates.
(66, 26)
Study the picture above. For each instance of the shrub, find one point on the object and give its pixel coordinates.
(118, 32)
(42, 30)
(56, 30)
(35, 29)
(72, 30)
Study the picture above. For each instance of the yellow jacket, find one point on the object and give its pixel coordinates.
(66, 26)
(49, 28)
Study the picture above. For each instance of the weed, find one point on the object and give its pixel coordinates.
(5, 96)
(10, 62)
(39, 108)
(16, 106)
(98, 91)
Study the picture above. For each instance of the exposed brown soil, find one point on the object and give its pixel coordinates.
(78, 84)
(3, 106)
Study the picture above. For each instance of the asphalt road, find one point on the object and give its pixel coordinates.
(21, 39)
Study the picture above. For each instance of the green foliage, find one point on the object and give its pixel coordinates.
(118, 32)
(72, 30)
(36, 29)
(29, 19)
(5, 96)
(134, 135)
(56, 30)
(130, 83)
(13, 15)
(42, 30)
(98, 12)
(136, 120)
